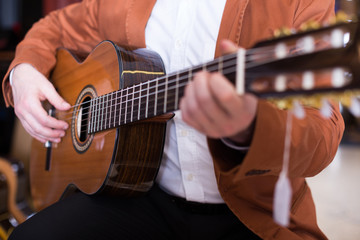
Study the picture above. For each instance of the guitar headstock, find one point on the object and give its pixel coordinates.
(308, 66)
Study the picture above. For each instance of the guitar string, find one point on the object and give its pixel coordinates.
(132, 109)
(260, 51)
(106, 121)
(209, 68)
(143, 90)
(253, 55)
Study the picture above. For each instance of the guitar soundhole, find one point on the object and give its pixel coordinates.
(83, 126)
(81, 136)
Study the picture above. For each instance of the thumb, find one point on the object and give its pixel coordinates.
(55, 99)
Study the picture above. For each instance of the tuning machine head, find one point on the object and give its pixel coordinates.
(283, 32)
(341, 17)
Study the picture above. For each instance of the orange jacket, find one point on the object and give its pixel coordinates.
(245, 182)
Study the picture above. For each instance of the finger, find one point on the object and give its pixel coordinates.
(227, 46)
(198, 107)
(240, 108)
(209, 106)
(38, 130)
(55, 99)
(45, 119)
(39, 137)
(190, 108)
(39, 122)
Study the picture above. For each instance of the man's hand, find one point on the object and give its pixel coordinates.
(212, 106)
(30, 88)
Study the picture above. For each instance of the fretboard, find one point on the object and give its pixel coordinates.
(148, 99)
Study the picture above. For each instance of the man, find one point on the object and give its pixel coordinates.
(241, 137)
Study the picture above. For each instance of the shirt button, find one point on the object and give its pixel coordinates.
(178, 44)
(183, 133)
(190, 177)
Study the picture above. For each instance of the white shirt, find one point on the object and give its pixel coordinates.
(184, 33)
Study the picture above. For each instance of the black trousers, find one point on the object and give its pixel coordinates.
(156, 215)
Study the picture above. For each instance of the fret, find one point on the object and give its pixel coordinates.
(143, 100)
(190, 75)
(115, 105)
(166, 94)
(106, 111)
(119, 100)
(126, 105)
(177, 91)
(102, 112)
(101, 109)
(99, 115)
(152, 98)
(147, 99)
(204, 67)
(91, 115)
(139, 101)
(156, 95)
(96, 113)
(220, 65)
(132, 104)
(111, 108)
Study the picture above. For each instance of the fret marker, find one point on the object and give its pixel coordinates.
(240, 71)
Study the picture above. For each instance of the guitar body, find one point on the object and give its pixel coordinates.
(120, 161)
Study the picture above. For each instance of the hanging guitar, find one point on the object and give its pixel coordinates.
(122, 99)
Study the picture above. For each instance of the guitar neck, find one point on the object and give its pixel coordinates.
(308, 63)
(151, 98)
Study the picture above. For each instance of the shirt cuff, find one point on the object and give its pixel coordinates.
(10, 76)
(232, 145)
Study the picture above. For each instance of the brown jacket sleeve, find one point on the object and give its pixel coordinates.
(74, 27)
(247, 180)
(314, 139)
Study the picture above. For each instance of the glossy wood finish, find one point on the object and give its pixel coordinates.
(119, 160)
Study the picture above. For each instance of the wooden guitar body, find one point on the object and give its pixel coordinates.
(122, 161)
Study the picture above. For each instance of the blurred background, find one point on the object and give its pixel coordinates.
(335, 190)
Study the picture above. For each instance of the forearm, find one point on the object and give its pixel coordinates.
(74, 27)
(314, 143)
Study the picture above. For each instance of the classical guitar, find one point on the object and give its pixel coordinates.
(122, 99)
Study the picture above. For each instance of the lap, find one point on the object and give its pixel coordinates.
(153, 216)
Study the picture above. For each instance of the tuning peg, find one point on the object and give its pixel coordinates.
(284, 31)
(326, 109)
(355, 106)
(340, 17)
(309, 25)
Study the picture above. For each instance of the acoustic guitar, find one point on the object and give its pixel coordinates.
(122, 100)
